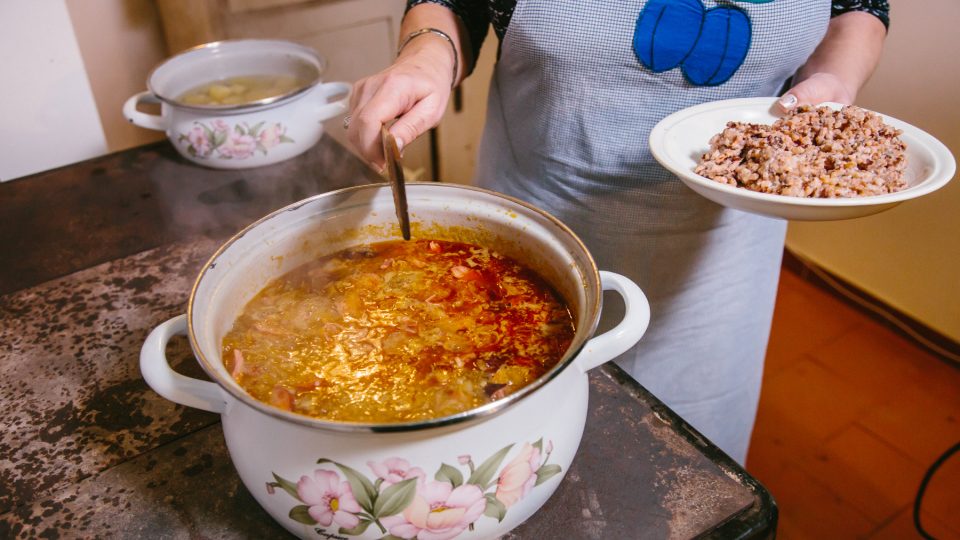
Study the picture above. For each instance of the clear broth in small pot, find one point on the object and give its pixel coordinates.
(240, 90)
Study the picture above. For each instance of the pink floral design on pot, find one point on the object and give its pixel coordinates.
(519, 476)
(328, 499)
(395, 470)
(403, 503)
(438, 512)
(217, 139)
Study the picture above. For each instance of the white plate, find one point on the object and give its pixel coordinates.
(679, 140)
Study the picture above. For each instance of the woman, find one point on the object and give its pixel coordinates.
(578, 86)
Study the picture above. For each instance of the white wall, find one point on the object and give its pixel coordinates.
(908, 257)
(49, 115)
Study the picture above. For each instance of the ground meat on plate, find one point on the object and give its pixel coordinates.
(811, 152)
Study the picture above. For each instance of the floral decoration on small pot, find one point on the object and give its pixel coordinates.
(217, 139)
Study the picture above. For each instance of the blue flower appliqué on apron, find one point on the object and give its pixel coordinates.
(709, 45)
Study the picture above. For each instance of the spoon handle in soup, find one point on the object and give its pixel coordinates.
(395, 171)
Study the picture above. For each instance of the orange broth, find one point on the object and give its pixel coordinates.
(397, 331)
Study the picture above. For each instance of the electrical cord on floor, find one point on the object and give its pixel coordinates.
(923, 488)
(949, 356)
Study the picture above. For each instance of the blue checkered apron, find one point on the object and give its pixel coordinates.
(577, 89)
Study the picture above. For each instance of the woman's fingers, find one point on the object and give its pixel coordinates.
(415, 103)
(816, 89)
(357, 133)
(392, 98)
(418, 120)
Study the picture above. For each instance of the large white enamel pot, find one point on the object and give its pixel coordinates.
(474, 475)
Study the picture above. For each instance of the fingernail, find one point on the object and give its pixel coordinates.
(399, 143)
(788, 101)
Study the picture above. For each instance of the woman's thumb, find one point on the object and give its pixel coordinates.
(804, 93)
(415, 122)
(817, 89)
(788, 102)
(807, 92)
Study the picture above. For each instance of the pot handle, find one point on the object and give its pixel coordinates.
(144, 120)
(627, 333)
(334, 108)
(168, 383)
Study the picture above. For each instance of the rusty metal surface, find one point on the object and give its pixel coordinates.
(88, 450)
(66, 219)
(72, 402)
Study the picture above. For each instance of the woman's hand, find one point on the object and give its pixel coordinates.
(841, 64)
(414, 90)
(816, 89)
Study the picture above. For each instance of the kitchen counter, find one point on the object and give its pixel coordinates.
(96, 254)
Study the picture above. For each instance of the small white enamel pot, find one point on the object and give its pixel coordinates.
(248, 135)
(474, 475)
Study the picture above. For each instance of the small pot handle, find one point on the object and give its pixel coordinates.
(627, 333)
(334, 108)
(144, 120)
(168, 383)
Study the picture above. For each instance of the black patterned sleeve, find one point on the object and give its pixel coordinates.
(878, 8)
(473, 13)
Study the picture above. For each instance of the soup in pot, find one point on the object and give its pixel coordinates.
(398, 331)
(240, 90)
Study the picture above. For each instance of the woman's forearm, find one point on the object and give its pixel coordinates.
(850, 51)
(443, 19)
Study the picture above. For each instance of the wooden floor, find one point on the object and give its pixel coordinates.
(851, 415)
